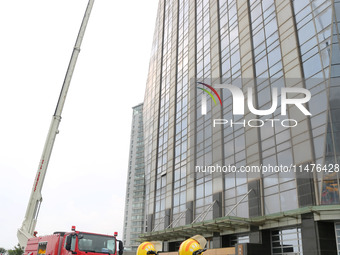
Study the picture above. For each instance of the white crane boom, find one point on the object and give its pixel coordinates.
(28, 226)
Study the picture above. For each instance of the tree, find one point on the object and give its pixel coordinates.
(18, 250)
(3, 250)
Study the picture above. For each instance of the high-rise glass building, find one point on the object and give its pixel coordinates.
(135, 197)
(241, 125)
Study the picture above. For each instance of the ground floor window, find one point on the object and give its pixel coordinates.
(239, 239)
(337, 233)
(287, 241)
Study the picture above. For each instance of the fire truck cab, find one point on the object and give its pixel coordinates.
(76, 242)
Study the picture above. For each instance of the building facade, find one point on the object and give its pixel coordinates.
(135, 196)
(267, 50)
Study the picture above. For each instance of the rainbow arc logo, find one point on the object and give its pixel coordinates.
(204, 101)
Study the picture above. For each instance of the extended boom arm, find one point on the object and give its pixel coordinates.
(28, 226)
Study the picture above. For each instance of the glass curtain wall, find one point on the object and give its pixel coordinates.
(181, 143)
(204, 131)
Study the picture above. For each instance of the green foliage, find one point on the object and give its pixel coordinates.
(17, 250)
(2, 250)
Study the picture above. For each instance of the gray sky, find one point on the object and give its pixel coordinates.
(86, 179)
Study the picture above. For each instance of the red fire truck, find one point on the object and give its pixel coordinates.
(75, 242)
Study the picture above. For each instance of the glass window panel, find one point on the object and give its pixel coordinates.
(229, 148)
(274, 56)
(208, 158)
(310, 53)
(241, 190)
(235, 58)
(272, 204)
(183, 172)
(239, 143)
(225, 66)
(306, 32)
(271, 27)
(208, 200)
(233, 34)
(266, 4)
(232, 10)
(208, 188)
(177, 184)
(276, 70)
(240, 155)
(303, 17)
(258, 38)
(230, 181)
(260, 52)
(323, 20)
(312, 66)
(200, 136)
(271, 191)
(264, 96)
(288, 185)
(199, 191)
(283, 136)
(163, 180)
(184, 147)
(270, 181)
(277, 251)
(299, 5)
(288, 200)
(230, 193)
(272, 39)
(177, 175)
(266, 132)
(176, 199)
(318, 103)
(270, 160)
(261, 66)
(308, 45)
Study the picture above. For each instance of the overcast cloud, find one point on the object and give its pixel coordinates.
(86, 179)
